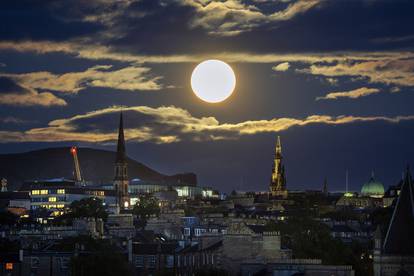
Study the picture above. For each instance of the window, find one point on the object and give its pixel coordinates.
(169, 261)
(64, 263)
(44, 192)
(151, 260)
(35, 262)
(61, 191)
(52, 199)
(139, 261)
(35, 192)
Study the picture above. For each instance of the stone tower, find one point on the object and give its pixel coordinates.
(121, 181)
(278, 181)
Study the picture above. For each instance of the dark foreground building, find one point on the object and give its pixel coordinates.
(395, 254)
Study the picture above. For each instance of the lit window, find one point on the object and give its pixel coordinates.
(52, 199)
(35, 192)
(61, 191)
(60, 206)
(44, 192)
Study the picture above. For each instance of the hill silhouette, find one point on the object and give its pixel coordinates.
(96, 165)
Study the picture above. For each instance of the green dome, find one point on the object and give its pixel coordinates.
(373, 188)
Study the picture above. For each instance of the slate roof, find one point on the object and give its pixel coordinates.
(14, 195)
(400, 235)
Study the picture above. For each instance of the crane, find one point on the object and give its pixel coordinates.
(77, 172)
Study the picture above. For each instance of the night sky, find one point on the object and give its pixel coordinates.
(335, 79)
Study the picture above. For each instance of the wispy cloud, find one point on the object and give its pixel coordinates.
(352, 94)
(394, 68)
(232, 17)
(128, 78)
(392, 71)
(12, 120)
(98, 52)
(30, 99)
(281, 67)
(12, 93)
(168, 124)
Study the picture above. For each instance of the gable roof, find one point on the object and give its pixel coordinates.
(400, 235)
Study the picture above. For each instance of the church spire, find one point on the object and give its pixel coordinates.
(121, 181)
(278, 180)
(120, 150)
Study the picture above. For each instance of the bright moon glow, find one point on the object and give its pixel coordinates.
(213, 81)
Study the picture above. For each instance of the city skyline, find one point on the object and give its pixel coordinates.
(334, 80)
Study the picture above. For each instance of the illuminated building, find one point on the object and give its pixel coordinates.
(373, 188)
(121, 181)
(183, 190)
(57, 194)
(372, 195)
(278, 181)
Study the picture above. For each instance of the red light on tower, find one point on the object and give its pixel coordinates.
(73, 150)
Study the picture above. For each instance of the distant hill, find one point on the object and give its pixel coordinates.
(96, 165)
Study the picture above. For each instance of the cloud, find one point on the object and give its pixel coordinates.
(391, 71)
(12, 120)
(12, 93)
(281, 67)
(391, 68)
(167, 124)
(128, 78)
(232, 17)
(352, 94)
(45, 99)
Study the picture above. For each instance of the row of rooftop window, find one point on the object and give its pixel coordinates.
(48, 199)
(46, 192)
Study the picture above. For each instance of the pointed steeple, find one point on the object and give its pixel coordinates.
(120, 150)
(400, 239)
(278, 179)
(278, 146)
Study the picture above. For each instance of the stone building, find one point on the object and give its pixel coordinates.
(121, 180)
(243, 243)
(395, 254)
(278, 180)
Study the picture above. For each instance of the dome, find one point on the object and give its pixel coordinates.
(373, 188)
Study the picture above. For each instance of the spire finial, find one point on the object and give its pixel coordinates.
(120, 151)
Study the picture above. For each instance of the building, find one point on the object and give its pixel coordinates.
(58, 193)
(246, 243)
(372, 195)
(121, 181)
(302, 267)
(15, 202)
(395, 254)
(278, 180)
(373, 188)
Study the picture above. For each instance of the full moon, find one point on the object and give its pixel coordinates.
(213, 81)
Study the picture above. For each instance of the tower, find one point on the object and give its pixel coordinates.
(121, 181)
(325, 187)
(278, 181)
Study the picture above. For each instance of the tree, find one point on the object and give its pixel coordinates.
(146, 207)
(7, 218)
(98, 257)
(88, 208)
